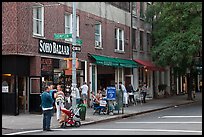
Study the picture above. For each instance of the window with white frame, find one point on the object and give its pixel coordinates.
(98, 37)
(134, 8)
(119, 39)
(38, 20)
(68, 25)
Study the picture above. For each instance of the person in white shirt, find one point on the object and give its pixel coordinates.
(84, 92)
(125, 95)
(77, 95)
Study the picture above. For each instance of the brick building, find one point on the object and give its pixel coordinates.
(31, 57)
(115, 40)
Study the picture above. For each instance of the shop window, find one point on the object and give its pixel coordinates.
(120, 75)
(8, 81)
(35, 85)
(93, 78)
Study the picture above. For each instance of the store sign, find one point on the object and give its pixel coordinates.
(54, 47)
(111, 93)
(5, 89)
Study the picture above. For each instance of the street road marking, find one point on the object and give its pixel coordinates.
(23, 132)
(161, 122)
(84, 129)
(179, 116)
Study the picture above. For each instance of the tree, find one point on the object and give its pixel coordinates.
(177, 35)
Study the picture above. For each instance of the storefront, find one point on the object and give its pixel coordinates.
(108, 71)
(15, 73)
(149, 73)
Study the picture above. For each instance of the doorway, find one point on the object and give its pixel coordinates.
(22, 96)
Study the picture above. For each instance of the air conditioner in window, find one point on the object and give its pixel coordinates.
(97, 43)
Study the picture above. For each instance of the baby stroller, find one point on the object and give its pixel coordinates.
(70, 117)
(102, 107)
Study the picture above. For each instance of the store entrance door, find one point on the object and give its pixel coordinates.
(22, 96)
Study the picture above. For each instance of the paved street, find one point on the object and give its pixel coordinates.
(33, 123)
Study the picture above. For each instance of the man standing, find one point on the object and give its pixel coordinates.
(84, 92)
(125, 95)
(130, 91)
(47, 108)
(53, 95)
(144, 91)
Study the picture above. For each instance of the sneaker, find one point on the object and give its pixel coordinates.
(49, 129)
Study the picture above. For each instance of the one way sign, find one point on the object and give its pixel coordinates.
(76, 48)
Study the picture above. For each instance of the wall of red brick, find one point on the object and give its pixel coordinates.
(9, 27)
(17, 32)
(21, 32)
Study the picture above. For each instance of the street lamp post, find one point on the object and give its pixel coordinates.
(74, 56)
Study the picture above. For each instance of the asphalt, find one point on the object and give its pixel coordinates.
(27, 121)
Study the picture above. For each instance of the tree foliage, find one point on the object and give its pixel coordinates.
(177, 33)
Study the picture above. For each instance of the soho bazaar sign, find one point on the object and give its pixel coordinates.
(53, 47)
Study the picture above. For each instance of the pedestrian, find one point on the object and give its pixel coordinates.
(125, 95)
(53, 92)
(130, 91)
(200, 85)
(59, 101)
(144, 91)
(84, 92)
(47, 108)
(78, 97)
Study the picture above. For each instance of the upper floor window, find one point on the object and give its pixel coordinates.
(134, 8)
(98, 37)
(119, 39)
(68, 25)
(148, 42)
(141, 40)
(141, 9)
(38, 20)
(134, 38)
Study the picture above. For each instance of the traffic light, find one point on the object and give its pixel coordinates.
(69, 63)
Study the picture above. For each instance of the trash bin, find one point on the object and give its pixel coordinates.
(82, 111)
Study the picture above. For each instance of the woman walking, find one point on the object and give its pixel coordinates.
(59, 102)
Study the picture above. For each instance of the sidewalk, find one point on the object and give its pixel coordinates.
(34, 121)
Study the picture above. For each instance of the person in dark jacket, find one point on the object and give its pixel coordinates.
(47, 108)
(130, 91)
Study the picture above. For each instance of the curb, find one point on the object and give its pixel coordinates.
(134, 114)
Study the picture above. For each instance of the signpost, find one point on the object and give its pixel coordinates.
(67, 36)
(76, 43)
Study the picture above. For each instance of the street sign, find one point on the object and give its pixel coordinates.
(62, 36)
(79, 42)
(111, 93)
(76, 48)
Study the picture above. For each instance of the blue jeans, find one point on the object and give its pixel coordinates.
(47, 114)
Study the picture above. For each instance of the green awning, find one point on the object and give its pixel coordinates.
(114, 62)
(127, 63)
(106, 61)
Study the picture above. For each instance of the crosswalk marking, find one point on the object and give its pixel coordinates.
(161, 122)
(128, 130)
(180, 117)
